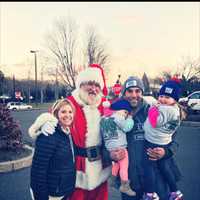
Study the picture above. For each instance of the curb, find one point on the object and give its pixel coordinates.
(25, 110)
(10, 166)
(190, 123)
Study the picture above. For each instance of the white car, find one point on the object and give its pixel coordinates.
(18, 106)
(192, 101)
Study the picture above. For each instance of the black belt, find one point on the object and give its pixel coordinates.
(92, 153)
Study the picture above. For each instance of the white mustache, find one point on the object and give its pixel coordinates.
(84, 96)
(93, 93)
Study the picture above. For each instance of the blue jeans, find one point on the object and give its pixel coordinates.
(163, 165)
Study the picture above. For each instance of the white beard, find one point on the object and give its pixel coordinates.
(88, 99)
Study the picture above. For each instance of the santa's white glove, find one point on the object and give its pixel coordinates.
(36, 128)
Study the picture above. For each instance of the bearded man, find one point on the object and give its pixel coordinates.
(133, 90)
(91, 181)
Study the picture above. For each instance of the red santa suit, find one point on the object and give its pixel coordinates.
(91, 180)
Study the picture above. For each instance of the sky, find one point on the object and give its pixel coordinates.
(148, 37)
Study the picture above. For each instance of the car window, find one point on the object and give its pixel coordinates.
(195, 96)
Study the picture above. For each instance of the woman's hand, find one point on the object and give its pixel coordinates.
(117, 154)
(156, 153)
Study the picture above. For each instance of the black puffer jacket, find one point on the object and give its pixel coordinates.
(53, 167)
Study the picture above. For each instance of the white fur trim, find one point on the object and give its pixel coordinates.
(75, 94)
(94, 173)
(93, 176)
(35, 128)
(90, 74)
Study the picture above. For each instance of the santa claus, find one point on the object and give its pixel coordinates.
(87, 98)
(91, 181)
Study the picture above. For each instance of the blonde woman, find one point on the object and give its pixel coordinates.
(53, 168)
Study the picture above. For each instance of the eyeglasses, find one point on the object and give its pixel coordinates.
(136, 90)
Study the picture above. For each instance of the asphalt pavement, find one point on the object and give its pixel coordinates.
(15, 185)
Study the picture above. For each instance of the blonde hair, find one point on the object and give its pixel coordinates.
(58, 104)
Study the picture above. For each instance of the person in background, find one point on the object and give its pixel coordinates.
(53, 171)
(133, 89)
(162, 122)
(113, 129)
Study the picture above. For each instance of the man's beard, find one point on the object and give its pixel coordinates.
(134, 102)
(86, 97)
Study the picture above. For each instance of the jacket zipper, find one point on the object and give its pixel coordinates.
(72, 147)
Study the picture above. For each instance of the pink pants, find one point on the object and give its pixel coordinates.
(121, 167)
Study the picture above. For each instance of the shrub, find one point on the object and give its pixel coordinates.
(10, 133)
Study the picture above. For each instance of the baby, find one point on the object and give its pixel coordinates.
(113, 129)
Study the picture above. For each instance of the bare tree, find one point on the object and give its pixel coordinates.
(62, 44)
(190, 69)
(164, 76)
(95, 48)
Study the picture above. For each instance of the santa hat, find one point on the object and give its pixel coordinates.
(90, 74)
(104, 89)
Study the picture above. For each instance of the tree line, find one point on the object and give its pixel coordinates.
(70, 51)
(47, 91)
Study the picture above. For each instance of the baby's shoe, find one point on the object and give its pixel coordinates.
(150, 196)
(125, 188)
(178, 195)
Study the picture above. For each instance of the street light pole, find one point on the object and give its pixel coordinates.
(13, 87)
(35, 55)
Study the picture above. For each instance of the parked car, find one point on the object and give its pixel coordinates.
(191, 102)
(18, 106)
